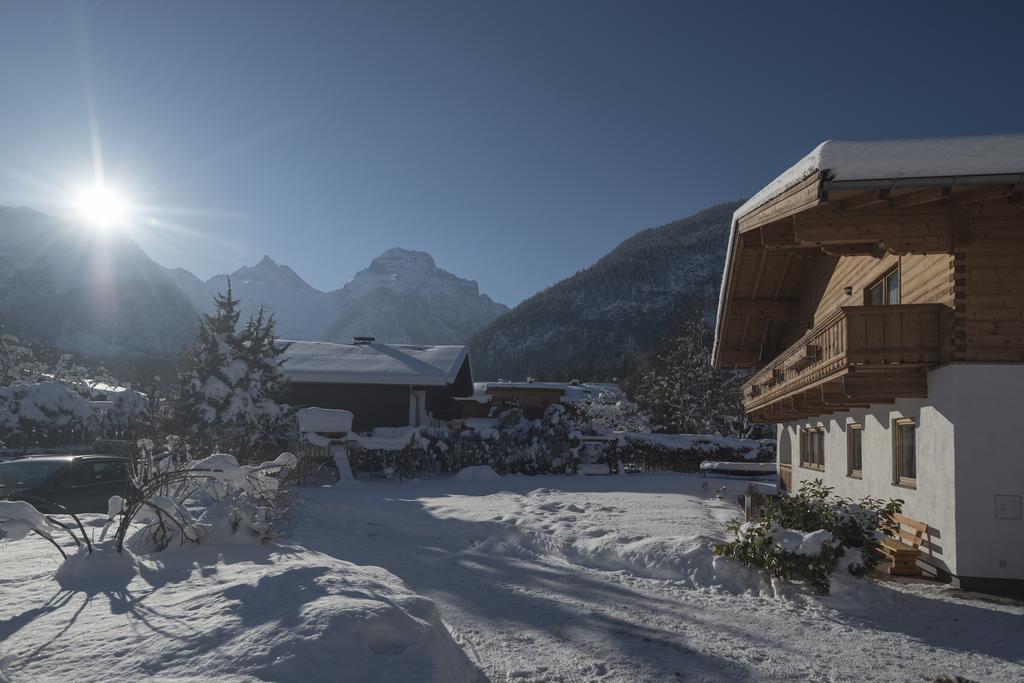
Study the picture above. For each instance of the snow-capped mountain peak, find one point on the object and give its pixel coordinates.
(267, 271)
(54, 287)
(402, 297)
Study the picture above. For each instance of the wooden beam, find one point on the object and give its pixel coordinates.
(782, 276)
(852, 229)
(860, 249)
(739, 358)
(765, 308)
(803, 196)
(780, 235)
(865, 199)
(985, 193)
(919, 197)
(759, 273)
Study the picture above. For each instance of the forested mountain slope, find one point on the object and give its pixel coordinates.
(591, 325)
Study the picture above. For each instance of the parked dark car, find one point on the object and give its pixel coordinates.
(65, 483)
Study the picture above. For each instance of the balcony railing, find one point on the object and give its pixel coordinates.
(854, 337)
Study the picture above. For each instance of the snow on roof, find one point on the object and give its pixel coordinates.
(480, 394)
(847, 160)
(372, 363)
(884, 159)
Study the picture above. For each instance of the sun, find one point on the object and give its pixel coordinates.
(102, 207)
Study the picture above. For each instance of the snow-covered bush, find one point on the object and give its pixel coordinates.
(19, 518)
(621, 416)
(517, 445)
(191, 502)
(49, 410)
(509, 443)
(805, 537)
(17, 362)
(29, 408)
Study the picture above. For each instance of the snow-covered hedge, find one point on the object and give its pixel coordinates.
(509, 444)
(44, 412)
(685, 452)
(808, 536)
(512, 444)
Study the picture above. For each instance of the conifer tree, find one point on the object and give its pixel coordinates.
(230, 383)
(684, 394)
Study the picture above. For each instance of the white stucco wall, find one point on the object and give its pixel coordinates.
(989, 463)
(931, 502)
(969, 450)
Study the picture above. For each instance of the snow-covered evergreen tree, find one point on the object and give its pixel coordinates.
(230, 383)
(685, 395)
(17, 362)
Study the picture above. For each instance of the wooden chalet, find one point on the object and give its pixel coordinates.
(877, 290)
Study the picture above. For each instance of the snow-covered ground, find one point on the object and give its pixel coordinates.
(612, 579)
(536, 578)
(228, 612)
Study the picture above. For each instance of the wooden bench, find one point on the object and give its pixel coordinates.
(903, 547)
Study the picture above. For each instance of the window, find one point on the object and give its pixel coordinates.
(904, 452)
(885, 291)
(812, 448)
(854, 452)
(109, 471)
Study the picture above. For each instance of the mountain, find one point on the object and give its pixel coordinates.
(403, 297)
(100, 295)
(301, 311)
(591, 325)
(96, 294)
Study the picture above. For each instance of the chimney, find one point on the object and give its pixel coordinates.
(363, 341)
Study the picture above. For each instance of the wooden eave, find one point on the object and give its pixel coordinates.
(776, 245)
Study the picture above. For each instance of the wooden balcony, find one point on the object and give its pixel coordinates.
(858, 356)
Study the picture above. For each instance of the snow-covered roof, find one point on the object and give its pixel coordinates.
(373, 363)
(849, 160)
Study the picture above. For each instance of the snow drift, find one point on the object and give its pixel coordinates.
(235, 613)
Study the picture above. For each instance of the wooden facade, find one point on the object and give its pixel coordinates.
(382, 405)
(796, 292)
(533, 400)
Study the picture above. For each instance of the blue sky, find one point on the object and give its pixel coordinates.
(517, 142)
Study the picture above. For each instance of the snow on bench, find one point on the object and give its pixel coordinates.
(324, 421)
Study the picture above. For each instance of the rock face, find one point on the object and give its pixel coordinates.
(403, 297)
(591, 325)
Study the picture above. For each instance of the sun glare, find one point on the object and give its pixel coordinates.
(102, 207)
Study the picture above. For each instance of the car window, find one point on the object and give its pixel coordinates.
(88, 472)
(27, 474)
(111, 470)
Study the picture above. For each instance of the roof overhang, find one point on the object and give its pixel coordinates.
(811, 211)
